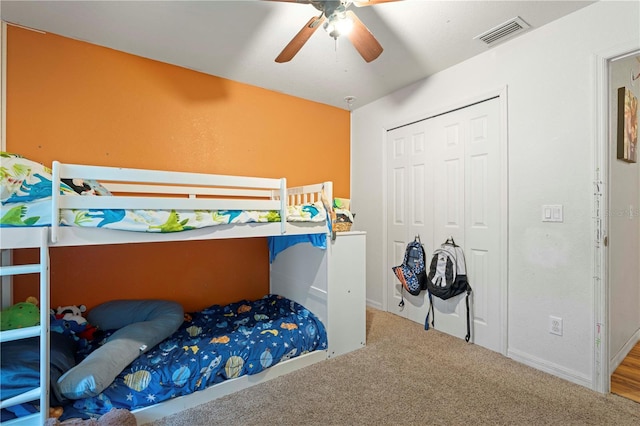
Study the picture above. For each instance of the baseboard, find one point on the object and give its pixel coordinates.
(374, 304)
(624, 351)
(553, 369)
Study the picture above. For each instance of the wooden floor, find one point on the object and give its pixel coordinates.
(625, 381)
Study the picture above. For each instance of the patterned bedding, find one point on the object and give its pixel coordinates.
(218, 343)
(213, 345)
(25, 196)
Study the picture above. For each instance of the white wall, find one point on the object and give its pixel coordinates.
(624, 226)
(550, 80)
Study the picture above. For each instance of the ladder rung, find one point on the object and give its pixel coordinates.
(19, 269)
(19, 333)
(31, 395)
(28, 420)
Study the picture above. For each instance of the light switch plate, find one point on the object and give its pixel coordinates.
(552, 213)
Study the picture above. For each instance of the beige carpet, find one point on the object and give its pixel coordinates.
(407, 376)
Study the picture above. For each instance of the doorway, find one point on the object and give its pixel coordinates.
(604, 361)
(623, 229)
(445, 178)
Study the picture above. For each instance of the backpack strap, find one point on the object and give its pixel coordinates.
(468, 336)
(431, 312)
(398, 272)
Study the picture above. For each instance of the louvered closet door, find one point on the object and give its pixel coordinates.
(409, 208)
(461, 198)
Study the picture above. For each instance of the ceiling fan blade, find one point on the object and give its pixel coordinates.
(362, 39)
(300, 39)
(371, 2)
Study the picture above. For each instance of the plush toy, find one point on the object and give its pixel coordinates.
(115, 417)
(68, 320)
(71, 313)
(20, 315)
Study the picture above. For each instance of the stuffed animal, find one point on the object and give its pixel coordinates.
(71, 313)
(20, 315)
(68, 320)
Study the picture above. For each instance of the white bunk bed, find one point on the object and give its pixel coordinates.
(150, 189)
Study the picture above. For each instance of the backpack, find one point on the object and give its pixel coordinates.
(412, 274)
(447, 277)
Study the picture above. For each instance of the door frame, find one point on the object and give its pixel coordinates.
(6, 289)
(502, 94)
(600, 369)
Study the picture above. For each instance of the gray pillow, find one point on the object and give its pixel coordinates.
(141, 325)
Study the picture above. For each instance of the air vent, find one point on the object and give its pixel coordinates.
(504, 30)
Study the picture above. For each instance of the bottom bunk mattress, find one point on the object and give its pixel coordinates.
(213, 345)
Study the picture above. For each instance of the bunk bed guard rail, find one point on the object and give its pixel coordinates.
(135, 189)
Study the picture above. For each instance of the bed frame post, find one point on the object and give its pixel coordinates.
(55, 201)
(44, 325)
(283, 205)
(6, 293)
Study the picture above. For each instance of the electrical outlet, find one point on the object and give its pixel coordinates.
(555, 325)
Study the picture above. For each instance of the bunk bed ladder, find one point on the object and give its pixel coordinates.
(42, 330)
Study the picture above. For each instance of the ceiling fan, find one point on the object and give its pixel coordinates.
(338, 20)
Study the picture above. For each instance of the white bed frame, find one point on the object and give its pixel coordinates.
(150, 189)
(159, 190)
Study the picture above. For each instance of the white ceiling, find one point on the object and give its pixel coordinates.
(239, 40)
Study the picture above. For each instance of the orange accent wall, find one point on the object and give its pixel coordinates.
(76, 102)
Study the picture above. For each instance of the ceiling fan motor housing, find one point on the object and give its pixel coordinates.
(330, 6)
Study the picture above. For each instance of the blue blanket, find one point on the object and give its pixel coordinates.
(281, 242)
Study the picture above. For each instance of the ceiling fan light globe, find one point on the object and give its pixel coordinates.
(331, 29)
(344, 26)
(338, 25)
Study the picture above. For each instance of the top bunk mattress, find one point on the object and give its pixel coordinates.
(27, 202)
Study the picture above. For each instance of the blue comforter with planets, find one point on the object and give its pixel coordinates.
(213, 345)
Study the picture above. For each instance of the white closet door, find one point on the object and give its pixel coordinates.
(483, 218)
(450, 133)
(468, 190)
(409, 209)
(461, 196)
